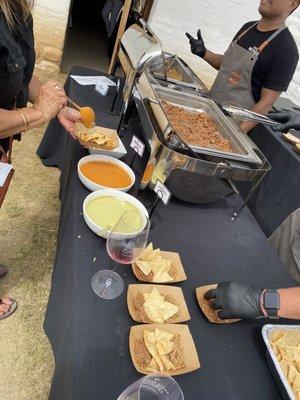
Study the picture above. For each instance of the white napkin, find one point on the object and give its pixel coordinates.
(92, 80)
(4, 171)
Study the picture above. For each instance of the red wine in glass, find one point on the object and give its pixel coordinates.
(121, 255)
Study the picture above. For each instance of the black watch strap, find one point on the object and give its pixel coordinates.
(271, 302)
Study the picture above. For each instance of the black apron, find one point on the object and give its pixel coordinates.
(17, 59)
(234, 80)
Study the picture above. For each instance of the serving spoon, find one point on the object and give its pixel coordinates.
(87, 114)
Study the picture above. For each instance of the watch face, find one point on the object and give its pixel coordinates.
(271, 300)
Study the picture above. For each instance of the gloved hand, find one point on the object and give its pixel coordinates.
(288, 120)
(236, 300)
(197, 45)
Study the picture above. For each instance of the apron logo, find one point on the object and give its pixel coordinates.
(254, 50)
(235, 77)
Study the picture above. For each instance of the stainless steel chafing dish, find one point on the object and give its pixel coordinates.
(210, 175)
(197, 175)
(243, 148)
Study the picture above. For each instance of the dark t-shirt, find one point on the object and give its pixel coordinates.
(276, 64)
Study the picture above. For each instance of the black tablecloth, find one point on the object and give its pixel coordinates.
(279, 193)
(89, 336)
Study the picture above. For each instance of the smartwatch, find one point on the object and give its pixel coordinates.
(271, 302)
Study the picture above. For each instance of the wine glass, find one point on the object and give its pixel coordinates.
(125, 244)
(153, 387)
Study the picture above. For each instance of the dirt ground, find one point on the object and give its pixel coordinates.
(29, 222)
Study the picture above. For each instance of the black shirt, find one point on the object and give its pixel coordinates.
(17, 58)
(276, 64)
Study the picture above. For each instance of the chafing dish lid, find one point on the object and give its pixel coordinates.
(141, 45)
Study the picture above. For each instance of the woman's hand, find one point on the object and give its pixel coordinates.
(50, 100)
(67, 117)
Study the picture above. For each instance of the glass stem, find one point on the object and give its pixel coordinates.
(113, 271)
(109, 281)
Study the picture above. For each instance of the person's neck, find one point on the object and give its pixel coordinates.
(265, 25)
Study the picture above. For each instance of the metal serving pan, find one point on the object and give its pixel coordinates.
(285, 389)
(243, 147)
(189, 78)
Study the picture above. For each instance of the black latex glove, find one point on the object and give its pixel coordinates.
(287, 120)
(197, 45)
(236, 300)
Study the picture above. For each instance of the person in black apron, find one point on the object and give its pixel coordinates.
(18, 86)
(260, 62)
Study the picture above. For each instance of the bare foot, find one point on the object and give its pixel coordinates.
(5, 305)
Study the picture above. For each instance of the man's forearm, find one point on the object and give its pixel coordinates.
(34, 86)
(267, 99)
(289, 303)
(215, 60)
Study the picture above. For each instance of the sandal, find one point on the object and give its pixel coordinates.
(12, 309)
(3, 271)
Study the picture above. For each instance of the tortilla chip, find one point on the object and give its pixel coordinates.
(144, 266)
(150, 342)
(162, 277)
(153, 366)
(292, 373)
(165, 347)
(284, 366)
(277, 335)
(296, 383)
(167, 363)
(153, 255)
(159, 343)
(97, 136)
(286, 346)
(152, 261)
(163, 335)
(157, 309)
(291, 138)
(148, 250)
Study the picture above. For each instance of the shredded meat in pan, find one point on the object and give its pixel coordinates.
(196, 129)
(173, 73)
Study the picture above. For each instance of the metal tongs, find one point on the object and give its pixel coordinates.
(243, 114)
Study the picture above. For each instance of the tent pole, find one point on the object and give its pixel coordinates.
(121, 30)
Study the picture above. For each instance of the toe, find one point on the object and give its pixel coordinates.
(7, 301)
(4, 308)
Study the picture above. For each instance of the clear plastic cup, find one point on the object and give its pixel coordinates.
(153, 387)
